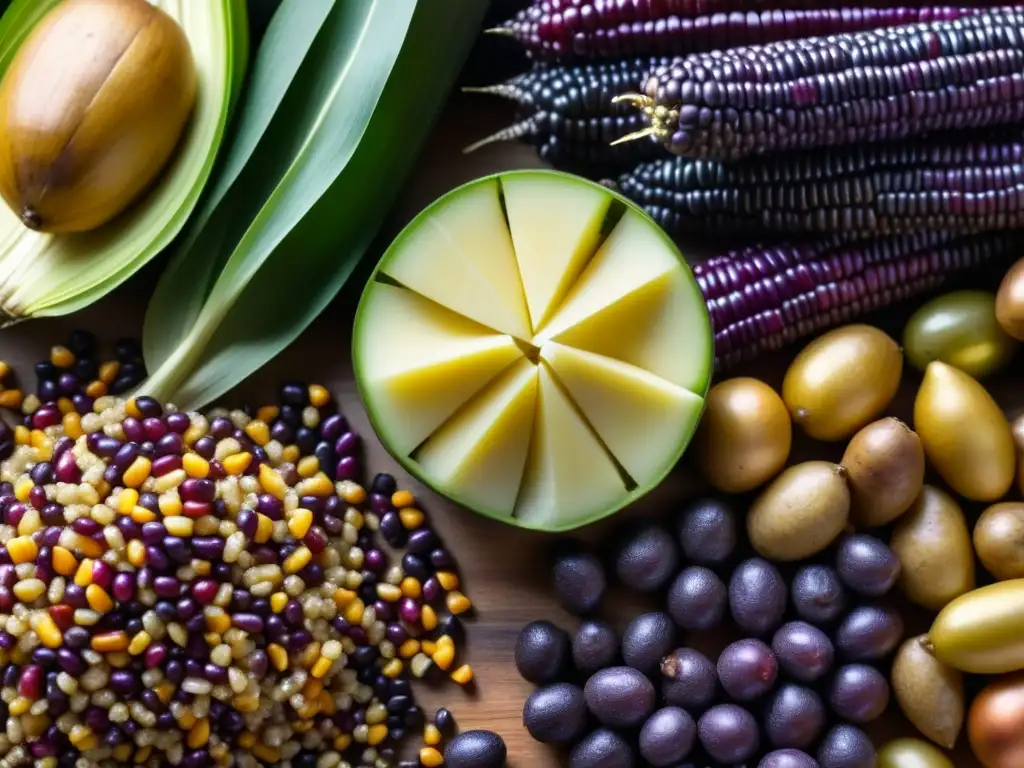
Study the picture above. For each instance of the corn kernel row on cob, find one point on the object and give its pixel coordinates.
(825, 91)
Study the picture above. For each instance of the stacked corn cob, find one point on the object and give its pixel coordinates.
(797, 118)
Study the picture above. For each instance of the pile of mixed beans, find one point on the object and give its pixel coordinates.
(208, 590)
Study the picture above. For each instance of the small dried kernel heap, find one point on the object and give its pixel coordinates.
(185, 590)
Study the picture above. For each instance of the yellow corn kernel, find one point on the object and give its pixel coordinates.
(126, 501)
(88, 547)
(137, 473)
(268, 413)
(98, 599)
(238, 463)
(463, 675)
(312, 688)
(5, 370)
(247, 740)
(272, 481)
(19, 706)
(428, 618)
(351, 493)
(83, 576)
(170, 505)
(278, 657)
(96, 389)
(73, 425)
(22, 435)
(195, 465)
(258, 431)
(218, 622)
(193, 433)
(123, 752)
(411, 587)
(139, 643)
(353, 612)
(264, 529)
(447, 580)
(11, 398)
(109, 371)
(23, 487)
(318, 396)
(300, 522)
(431, 736)
(343, 597)
(389, 592)
(297, 560)
(132, 408)
(246, 703)
(429, 647)
(141, 515)
(278, 601)
(199, 733)
(411, 518)
(445, 641)
(392, 669)
(165, 691)
(409, 648)
(266, 754)
(65, 405)
(110, 642)
(430, 758)
(327, 703)
(307, 713)
(308, 466)
(457, 602)
(22, 549)
(342, 742)
(376, 734)
(318, 485)
(179, 525)
(321, 668)
(402, 499)
(46, 630)
(291, 454)
(136, 552)
(213, 639)
(63, 561)
(62, 357)
(443, 656)
(187, 719)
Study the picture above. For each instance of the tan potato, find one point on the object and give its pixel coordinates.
(999, 540)
(885, 471)
(930, 694)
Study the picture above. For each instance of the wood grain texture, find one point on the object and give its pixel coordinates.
(505, 570)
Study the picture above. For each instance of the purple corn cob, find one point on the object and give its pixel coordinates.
(610, 28)
(877, 189)
(826, 91)
(763, 298)
(568, 113)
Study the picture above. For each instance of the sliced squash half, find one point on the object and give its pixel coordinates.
(535, 348)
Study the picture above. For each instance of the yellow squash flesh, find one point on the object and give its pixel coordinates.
(91, 110)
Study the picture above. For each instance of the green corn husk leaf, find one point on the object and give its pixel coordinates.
(350, 127)
(46, 275)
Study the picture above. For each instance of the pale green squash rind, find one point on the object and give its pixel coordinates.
(416, 471)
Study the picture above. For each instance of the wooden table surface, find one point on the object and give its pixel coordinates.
(506, 572)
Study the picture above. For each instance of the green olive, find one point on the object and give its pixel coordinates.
(912, 753)
(960, 329)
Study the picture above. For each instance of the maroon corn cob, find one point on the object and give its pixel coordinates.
(596, 29)
(958, 185)
(761, 299)
(847, 89)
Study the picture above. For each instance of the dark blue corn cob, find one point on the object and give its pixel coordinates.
(568, 113)
(763, 298)
(827, 91)
(877, 189)
(612, 28)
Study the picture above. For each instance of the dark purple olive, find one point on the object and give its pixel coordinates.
(542, 652)
(647, 639)
(476, 749)
(804, 652)
(579, 582)
(556, 713)
(866, 564)
(667, 736)
(869, 632)
(859, 693)
(818, 594)
(757, 596)
(787, 758)
(846, 747)
(620, 697)
(689, 680)
(795, 717)
(594, 646)
(648, 559)
(728, 734)
(747, 669)
(602, 749)
(697, 599)
(707, 531)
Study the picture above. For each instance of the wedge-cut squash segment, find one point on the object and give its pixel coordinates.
(555, 229)
(433, 362)
(479, 455)
(642, 418)
(569, 475)
(631, 258)
(662, 327)
(461, 256)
